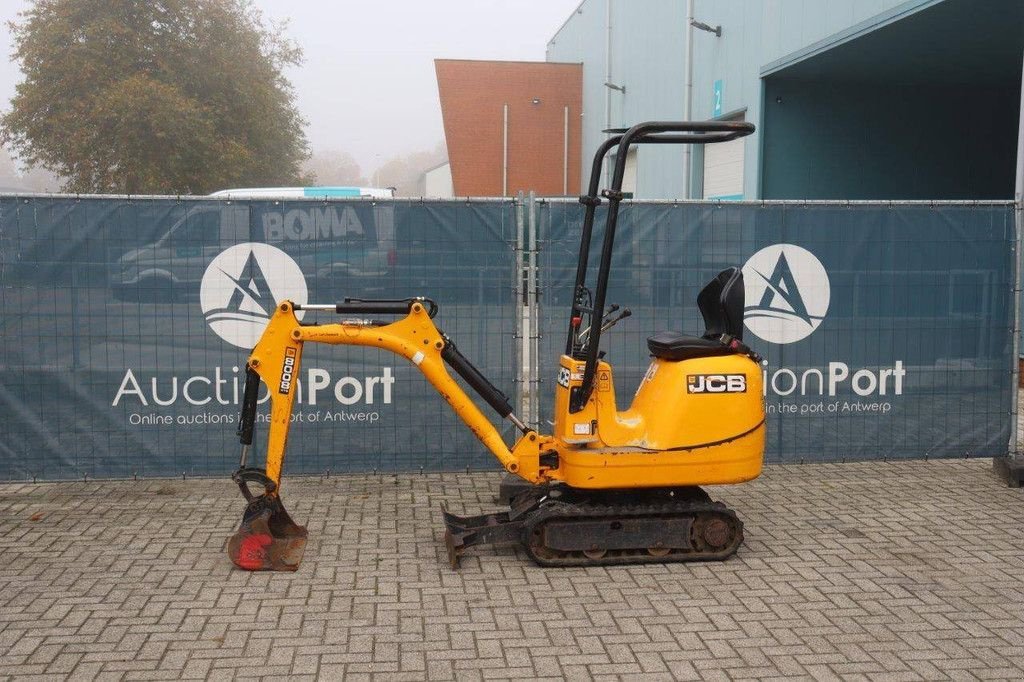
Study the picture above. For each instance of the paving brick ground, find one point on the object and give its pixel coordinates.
(876, 570)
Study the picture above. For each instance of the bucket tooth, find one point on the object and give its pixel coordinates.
(267, 539)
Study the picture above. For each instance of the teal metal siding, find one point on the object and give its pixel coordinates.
(648, 55)
(582, 40)
(648, 59)
(759, 32)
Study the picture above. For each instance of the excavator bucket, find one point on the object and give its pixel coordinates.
(267, 539)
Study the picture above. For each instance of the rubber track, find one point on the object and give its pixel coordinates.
(699, 511)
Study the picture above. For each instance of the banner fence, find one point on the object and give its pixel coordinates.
(888, 328)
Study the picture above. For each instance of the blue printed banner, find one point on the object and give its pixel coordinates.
(887, 328)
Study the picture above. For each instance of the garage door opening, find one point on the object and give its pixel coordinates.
(926, 107)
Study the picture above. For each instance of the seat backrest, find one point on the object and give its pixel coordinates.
(721, 304)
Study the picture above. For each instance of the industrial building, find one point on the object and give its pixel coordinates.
(853, 99)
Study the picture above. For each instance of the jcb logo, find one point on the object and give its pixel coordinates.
(287, 371)
(716, 383)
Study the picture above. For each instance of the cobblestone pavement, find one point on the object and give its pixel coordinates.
(874, 570)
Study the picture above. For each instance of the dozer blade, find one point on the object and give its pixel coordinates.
(465, 531)
(267, 539)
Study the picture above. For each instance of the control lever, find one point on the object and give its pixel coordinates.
(611, 309)
(615, 320)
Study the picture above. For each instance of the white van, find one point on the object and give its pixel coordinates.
(306, 192)
(342, 244)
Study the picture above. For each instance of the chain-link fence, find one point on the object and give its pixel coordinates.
(888, 328)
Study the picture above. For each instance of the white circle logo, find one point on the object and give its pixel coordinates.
(242, 286)
(787, 293)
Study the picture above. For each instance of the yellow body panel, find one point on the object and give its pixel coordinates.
(676, 433)
(676, 417)
(737, 461)
(692, 422)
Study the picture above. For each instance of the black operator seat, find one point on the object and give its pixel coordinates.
(721, 304)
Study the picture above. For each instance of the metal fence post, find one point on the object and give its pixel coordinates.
(527, 292)
(1011, 467)
(532, 415)
(1018, 215)
(521, 321)
(524, 288)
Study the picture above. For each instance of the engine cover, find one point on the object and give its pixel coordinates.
(699, 402)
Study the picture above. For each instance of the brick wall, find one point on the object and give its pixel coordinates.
(473, 94)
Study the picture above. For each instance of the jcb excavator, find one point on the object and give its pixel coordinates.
(610, 486)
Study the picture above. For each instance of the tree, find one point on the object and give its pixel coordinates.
(162, 96)
(333, 167)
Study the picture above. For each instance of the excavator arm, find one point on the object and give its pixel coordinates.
(267, 538)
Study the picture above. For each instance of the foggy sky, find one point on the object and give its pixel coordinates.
(367, 85)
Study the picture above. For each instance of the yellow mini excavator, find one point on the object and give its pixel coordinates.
(610, 486)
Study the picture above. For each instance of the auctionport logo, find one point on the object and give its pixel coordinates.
(241, 288)
(787, 293)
